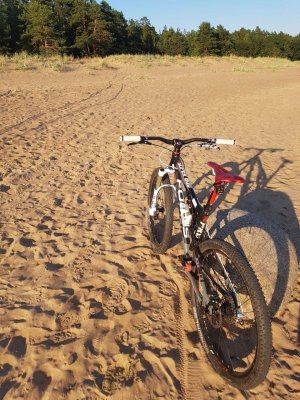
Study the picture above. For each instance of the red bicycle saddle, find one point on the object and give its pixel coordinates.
(222, 175)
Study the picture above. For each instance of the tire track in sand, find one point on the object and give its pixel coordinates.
(181, 309)
(48, 121)
(89, 106)
(68, 108)
(63, 107)
(194, 372)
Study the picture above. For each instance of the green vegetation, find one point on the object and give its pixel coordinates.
(88, 28)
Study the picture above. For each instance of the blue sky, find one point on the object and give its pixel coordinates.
(271, 15)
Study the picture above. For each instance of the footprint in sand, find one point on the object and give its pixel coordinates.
(163, 312)
(141, 323)
(120, 373)
(168, 288)
(68, 320)
(115, 296)
(128, 344)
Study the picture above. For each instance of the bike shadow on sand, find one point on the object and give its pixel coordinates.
(271, 209)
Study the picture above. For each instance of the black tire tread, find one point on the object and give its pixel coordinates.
(162, 247)
(264, 334)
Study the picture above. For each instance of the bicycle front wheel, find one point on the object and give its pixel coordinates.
(234, 327)
(160, 224)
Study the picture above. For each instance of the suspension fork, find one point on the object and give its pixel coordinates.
(161, 173)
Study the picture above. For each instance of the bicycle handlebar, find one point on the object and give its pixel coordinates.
(226, 141)
(130, 138)
(145, 139)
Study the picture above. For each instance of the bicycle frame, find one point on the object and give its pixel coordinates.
(189, 206)
(193, 219)
(188, 202)
(213, 267)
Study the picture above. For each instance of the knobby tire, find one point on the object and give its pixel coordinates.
(238, 269)
(160, 226)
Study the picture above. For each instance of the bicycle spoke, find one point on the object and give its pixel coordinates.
(234, 342)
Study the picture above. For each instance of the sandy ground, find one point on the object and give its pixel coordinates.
(87, 311)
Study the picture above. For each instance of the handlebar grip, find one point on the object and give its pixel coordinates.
(130, 138)
(225, 141)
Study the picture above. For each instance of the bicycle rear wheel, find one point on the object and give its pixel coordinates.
(160, 225)
(235, 327)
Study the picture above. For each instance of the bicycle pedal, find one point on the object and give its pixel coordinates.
(187, 263)
(184, 267)
(188, 267)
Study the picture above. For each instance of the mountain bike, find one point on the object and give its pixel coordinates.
(228, 304)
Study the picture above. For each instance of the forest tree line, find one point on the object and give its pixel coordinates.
(86, 28)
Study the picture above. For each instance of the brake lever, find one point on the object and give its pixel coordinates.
(208, 146)
(133, 143)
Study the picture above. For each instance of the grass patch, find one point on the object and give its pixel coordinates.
(3, 61)
(24, 61)
(61, 66)
(98, 64)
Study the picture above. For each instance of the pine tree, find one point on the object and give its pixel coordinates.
(92, 35)
(16, 26)
(149, 36)
(191, 38)
(206, 43)
(79, 21)
(65, 33)
(39, 34)
(172, 42)
(224, 43)
(242, 42)
(283, 43)
(258, 43)
(295, 48)
(4, 29)
(100, 38)
(163, 43)
(134, 37)
(116, 24)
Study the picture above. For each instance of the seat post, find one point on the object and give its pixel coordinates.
(208, 206)
(218, 189)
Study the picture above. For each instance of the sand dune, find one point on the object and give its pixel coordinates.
(87, 310)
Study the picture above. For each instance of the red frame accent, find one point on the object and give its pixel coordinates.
(212, 197)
